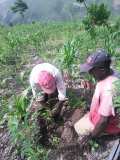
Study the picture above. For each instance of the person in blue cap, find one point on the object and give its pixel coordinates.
(102, 117)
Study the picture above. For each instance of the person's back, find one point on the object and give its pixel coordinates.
(102, 116)
(102, 104)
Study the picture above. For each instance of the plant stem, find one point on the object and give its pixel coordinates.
(85, 5)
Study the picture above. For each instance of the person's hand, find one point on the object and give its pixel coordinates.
(83, 140)
(69, 123)
(85, 84)
(35, 105)
(57, 109)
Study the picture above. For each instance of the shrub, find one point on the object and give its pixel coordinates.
(98, 14)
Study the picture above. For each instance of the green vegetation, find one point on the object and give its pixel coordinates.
(63, 44)
(116, 99)
(22, 131)
(97, 15)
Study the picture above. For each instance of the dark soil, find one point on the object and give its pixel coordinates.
(7, 148)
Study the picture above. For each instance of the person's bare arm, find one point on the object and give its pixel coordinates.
(100, 127)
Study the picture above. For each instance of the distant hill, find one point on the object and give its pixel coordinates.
(55, 10)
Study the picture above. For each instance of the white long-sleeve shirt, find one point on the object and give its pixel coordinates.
(55, 73)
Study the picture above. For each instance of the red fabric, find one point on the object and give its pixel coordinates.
(102, 105)
(114, 122)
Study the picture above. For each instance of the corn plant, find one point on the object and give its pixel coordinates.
(22, 131)
(107, 38)
(19, 106)
(68, 55)
(116, 98)
(111, 42)
(74, 101)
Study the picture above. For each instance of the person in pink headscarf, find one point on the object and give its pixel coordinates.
(47, 83)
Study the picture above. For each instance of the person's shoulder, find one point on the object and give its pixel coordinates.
(107, 83)
(42, 66)
(112, 81)
(37, 66)
(49, 65)
(111, 78)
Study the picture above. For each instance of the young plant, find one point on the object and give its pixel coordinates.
(116, 98)
(68, 51)
(94, 145)
(22, 131)
(68, 56)
(19, 106)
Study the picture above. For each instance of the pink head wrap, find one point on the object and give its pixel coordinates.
(46, 82)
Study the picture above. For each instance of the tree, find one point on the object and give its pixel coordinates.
(19, 6)
(83, 1)
(97, 14)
